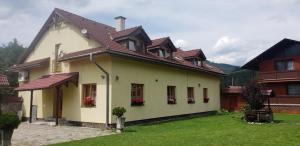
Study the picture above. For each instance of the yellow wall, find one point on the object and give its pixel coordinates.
(67, 35)
(37, 94)
(71, 40)
(120, 90)
(155, 93)
(88, 73)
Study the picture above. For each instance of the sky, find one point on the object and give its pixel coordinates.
(228, 31)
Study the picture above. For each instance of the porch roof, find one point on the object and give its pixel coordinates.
(49, 81)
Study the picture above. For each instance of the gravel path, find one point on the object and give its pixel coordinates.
(36, 135)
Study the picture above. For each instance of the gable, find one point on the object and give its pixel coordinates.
(284, 48)
(68, 36)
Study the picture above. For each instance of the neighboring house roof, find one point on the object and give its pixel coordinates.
(32, 64)
(105, 34)
(160, 42)
(138, 30)
(191, 53)
(3, 80)
(279, 47)
(48, 81)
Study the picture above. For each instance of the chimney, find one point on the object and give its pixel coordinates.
(120, 23)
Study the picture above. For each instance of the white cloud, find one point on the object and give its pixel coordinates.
(181, 44)
(228, 31)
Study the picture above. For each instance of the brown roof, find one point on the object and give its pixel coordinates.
(233, 90)
(278, 47)
(191, 53)
(158, 42)
(32, 64)
(104, 35)
(3, 80)
(125, 32)
(48, 81)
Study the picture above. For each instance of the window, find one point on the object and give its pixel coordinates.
(137, 94)
(284, 65)
(56, 66)
(190, 95)
(168, 54)
(89, 95)
(293, 89)
(171, 95)
(205, 95)
(161, 53)
(131, 45)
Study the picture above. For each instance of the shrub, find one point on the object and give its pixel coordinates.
(252, 93)
(9, 121)
(118, 111)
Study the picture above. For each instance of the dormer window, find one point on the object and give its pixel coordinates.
(167, 54)
(161, 53)
(131, 45)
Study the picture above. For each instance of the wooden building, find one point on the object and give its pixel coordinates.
(279, 69)
(231, 99)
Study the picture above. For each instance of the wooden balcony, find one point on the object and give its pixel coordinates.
(279, 76)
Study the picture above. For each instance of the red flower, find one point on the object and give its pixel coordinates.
(137, 100)
(89, 101)
(206, 99)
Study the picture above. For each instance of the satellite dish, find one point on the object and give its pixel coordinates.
(61, 54)
(84, 31)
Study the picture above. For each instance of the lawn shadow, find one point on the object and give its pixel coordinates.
(129, 130)
(157, 121)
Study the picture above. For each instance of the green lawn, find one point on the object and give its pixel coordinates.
(216, 130)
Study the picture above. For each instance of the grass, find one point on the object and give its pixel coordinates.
(218, 130)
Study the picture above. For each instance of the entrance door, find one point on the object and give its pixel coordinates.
(58, 103)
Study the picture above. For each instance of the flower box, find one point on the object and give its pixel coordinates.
(89, 101)
(191, 100)
(171, 100)
(205, 100)
(137, 101)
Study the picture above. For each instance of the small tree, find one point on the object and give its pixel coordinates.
(118, 111)
(8, 122)
(253, 95)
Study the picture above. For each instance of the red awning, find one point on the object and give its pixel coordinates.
(49, 81)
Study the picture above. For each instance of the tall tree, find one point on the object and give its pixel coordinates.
(9, 55)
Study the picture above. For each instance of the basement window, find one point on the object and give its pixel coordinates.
(89, 95)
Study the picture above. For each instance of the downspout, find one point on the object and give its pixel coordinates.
(107, 89)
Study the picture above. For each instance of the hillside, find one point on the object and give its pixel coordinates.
(227, 68)
(235, 75)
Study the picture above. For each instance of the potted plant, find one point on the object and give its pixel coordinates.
(8, 122)
(206, 99)
(191, 100)
(119, 112)
(89, 101)
(137, 101)
(171, 100)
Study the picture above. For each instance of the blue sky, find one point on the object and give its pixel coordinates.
(228, 31)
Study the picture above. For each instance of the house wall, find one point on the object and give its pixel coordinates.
(155, 93)
(68, 36)
(72, 95)
(269, 65)
(71, 40)
(37, 95)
